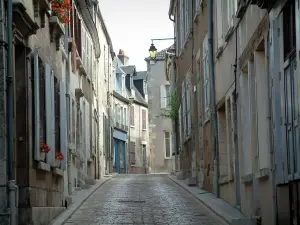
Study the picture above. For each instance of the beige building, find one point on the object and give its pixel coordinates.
(255, 91)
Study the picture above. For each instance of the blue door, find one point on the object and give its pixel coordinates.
(117, 155)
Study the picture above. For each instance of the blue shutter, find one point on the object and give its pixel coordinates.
(275, 69)
(63, 124)
(36, 110)
(48, 103)
(51, 108)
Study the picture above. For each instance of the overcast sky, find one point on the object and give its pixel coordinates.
(133, 23)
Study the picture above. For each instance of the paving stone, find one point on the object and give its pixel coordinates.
(142, 199)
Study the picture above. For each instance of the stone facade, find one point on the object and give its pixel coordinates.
(159, 91)
(253, 62)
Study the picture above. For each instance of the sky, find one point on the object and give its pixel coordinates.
(133, 23)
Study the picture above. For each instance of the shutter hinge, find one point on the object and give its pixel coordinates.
(278, 32)
(281, 120)
(279, 75)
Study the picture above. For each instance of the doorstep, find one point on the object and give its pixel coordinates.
(220, 207)
(78, 198)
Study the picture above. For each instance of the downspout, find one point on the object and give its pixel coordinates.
(212, 87)
(69, 156)
(12, 188)
(235, 128)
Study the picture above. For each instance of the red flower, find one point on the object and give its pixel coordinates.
(61, 9)
(59, 156)
(44, 147)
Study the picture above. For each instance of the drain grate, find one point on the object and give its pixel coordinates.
(131, 201)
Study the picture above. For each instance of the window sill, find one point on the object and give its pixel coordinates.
(263, 174)
(43, 166)
(58, 171)
(247, 179)
(131, 126)
(144, 130)
(168, 158)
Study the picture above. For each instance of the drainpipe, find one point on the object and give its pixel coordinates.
(235, 129)
(212, 91)
(12, 188)
(68, 111)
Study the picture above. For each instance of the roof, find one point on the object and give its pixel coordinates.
(128, 69)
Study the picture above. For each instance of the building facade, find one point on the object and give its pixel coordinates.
(160, 125)
(63, 83)
(249, 88)
(131, 133)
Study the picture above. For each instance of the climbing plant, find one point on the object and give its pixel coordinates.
(171, 111)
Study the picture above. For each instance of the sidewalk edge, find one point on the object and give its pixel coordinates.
(81, 203)
(204, 203)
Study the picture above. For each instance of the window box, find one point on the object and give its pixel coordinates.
(43, 166)
(56, 30)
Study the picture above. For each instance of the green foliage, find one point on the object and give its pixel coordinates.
(171, 112)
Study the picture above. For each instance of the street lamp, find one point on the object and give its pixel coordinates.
(153, 50)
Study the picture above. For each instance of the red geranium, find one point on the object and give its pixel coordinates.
(44, 147)
(61, 9)
(59, 156)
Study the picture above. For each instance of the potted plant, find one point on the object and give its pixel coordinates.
(44, 149)
(61, 9)
(58, 158)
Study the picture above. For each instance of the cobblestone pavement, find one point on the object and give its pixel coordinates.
(142, 199)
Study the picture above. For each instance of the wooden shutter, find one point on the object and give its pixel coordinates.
(132, 153)
(181, 24)
(183, 110)
(144, 119)
(36, 108)
(49, 106)
(131, 115)
(188, 106)
(63, 125)
(163, 96)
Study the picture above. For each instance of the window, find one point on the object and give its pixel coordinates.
(198, 4)
(164, 96)
(289, 29)
(219, 21)
(206, 79)
(116, 112)
(131, 115)
(121, 116)
(144, 122)
(176, 35)
(125, 117)
(168, 95)
(168, 144)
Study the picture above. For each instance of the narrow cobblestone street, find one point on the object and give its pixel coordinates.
(142, 199)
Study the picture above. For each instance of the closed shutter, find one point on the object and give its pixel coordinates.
(131, 115)
(144, 119)
(51, 108)
(163, 97)
(63, 125)
(36, 108)
(132, 153)
(48, 101)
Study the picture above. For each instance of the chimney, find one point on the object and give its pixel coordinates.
(123, 58)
